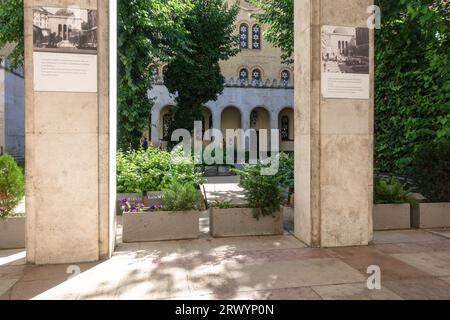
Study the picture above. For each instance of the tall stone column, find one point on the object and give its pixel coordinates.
(333, 137)
(70, 149)
(155, 127)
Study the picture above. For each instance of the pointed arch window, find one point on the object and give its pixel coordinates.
(256, 75)
(256, 37)
(285, 75)
(285, 128)
(243, 75)
(243, 32)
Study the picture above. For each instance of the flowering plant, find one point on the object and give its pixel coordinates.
(131, 208)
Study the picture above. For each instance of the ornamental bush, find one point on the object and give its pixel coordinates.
(153, 169)
(263, 192)
(12, 185)
(391, 191)
(180, 196)
(431, 171)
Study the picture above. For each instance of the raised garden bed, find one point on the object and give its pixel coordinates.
(12, 233)
(237, 222)
(392, 216)
(432, 215)
(160, 225)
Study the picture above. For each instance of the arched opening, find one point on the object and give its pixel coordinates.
(286, 126)
(259, 120)
(230, 119)
(207, 122)
(164, 120)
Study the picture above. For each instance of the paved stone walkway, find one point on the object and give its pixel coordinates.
(414, 265)
(224, 188)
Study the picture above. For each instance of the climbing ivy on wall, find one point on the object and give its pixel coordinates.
(412, 82)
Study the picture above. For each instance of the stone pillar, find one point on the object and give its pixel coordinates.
(70, 179)
(155, 127)
(333, 137)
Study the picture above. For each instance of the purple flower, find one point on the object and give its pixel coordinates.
(124, 200)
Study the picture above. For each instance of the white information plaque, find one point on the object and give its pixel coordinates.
(65, 49)
(345, 63)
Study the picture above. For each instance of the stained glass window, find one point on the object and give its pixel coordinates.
(256, 37)
(243, 75)
(243, 31)
(256, 75)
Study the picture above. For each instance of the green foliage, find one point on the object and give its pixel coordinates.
(279, 16)
(262, 192)
(11, 30)
(180, 196)
(12, 185)
(431, 171)
(286, 171)
(412, 82)
(194, 74)
(148, 32)
(391, 191)
(223, 204)
(152, 170)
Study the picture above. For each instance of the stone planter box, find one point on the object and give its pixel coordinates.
(12, 233)
(160, 225)
(432, 215)
(391, 216)
(238, 222)
(133, 198)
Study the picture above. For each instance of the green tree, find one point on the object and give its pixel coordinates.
(194, 75)
(11, 29)
(279, 16)
(149, 32)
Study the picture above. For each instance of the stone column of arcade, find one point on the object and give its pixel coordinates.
(333, 123)
(70, 132)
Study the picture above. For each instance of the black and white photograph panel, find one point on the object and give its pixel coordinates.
(64, 30)
(345, 50)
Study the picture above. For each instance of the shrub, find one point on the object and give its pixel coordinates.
(263, 192)
(392, 191)
(286, 171)
(180, 197)
(431, 171)
(12, 185)
(223, 204)
(153, 169)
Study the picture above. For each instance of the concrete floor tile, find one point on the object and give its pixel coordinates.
(354, 291)
(12, 257)
(403, 236)
(12, 272)
(420, 289)
(304, 293)
(229, 277)
(26, 290)
(51, 272)
(432, 263)
(5, 285)
(391, 268)
(441, 232)
(446, 279)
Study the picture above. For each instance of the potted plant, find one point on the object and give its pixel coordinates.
(431, 175)
(262, 216)
(393, 203)
(12, 190)
(177, 219)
